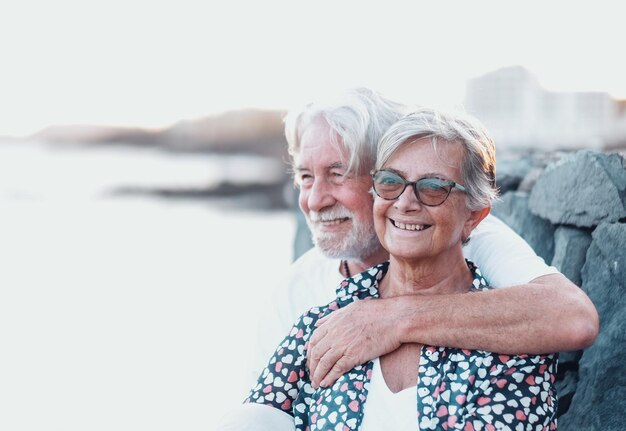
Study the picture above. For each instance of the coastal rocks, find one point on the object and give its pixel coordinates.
(511, 172)
(522, 171)
(583, 189)
(242, 131)
(572, 211)
(539, 233)
(570, 246)
(598, 400)
(567, 379)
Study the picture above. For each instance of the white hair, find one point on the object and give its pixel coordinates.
(359, 117)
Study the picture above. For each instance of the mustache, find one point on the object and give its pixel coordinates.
(333, 213)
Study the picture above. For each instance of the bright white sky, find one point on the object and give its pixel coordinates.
(150, 63)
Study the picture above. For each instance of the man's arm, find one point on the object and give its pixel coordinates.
(549, 314)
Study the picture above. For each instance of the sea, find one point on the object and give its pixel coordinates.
(130, 311)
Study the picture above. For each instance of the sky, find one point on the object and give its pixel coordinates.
(150, 64)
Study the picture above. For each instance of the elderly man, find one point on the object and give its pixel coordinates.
(333, 147)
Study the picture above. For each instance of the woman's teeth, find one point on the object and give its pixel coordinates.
(406, 226)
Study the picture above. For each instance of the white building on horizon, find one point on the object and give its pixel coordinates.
(520, 113)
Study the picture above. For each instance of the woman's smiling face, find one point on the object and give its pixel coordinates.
(407, 228)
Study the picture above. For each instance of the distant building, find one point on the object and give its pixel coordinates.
(521, 113)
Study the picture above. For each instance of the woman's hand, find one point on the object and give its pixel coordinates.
(350, 336)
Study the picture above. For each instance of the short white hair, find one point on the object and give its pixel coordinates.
(359, 117)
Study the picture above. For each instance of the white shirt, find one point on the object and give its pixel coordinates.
(385, 410)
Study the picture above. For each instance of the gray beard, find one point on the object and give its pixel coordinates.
(359, 244)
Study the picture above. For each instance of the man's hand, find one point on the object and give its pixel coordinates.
(350, 336)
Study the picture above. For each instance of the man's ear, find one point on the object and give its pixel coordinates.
(473, 219)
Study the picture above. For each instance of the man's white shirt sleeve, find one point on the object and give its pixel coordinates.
(312, 280)
(504, 258)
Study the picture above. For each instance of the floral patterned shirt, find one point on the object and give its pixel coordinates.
(457, 388)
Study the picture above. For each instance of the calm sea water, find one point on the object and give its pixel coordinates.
(122, 313)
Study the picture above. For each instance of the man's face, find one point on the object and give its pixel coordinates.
(337, 206)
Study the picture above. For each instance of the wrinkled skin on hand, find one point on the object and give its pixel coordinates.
(350, 336)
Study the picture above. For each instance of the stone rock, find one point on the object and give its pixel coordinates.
(601, 389)
(540, 162)
(513, 210)
(567, 379)
(528, 182)
(566, 385)
(511, 172)
(570, 251)
(583, 189)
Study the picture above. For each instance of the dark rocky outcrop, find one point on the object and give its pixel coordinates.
(269, 197)
(583, 189)
(570, 246)
(539, 233)
(251, 131)
(575, 206)
(598, 401)
(243, 132)
(512, 171)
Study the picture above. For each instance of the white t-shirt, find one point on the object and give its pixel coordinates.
(384, 410)
(503, 257)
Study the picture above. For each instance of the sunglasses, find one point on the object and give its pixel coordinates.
(431, 192)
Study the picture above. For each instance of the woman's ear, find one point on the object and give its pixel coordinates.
(473, 219)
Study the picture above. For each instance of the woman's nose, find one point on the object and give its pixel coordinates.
(408, 200)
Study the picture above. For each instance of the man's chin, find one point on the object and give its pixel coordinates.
(332, 253)
(337, 250)
(347, 248)
(328, 247)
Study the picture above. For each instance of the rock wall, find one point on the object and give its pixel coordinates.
(571, 208)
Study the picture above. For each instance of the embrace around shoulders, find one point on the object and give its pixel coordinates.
(454, 385)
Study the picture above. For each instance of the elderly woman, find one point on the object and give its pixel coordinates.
(434, 182)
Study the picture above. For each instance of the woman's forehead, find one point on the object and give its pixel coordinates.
(425, 157)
